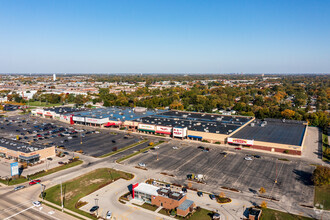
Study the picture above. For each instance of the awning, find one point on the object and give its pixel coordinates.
(146, 130)
(29, 157)
(163, 132)
(109, 124)
(197, 137)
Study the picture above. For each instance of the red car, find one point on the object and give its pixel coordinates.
(34, 182)
(238, 148)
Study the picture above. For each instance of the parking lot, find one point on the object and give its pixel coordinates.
(88, 140)
(232, 170)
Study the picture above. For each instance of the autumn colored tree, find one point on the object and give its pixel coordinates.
(262, 190)
(288, 114)
(222, 195)
(263, 204)
(321, 176)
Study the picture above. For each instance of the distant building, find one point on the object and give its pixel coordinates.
(54, 77)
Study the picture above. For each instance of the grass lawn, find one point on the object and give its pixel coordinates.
(82, 186)
(148, 206)
(270, 214)
(202, 214)
(56, 169)
(41, 174)
(136, 153)
(322, 196)
(124, 148)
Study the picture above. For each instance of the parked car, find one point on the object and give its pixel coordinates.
(238, 148)
(19, 187)
(37, 203)
(175, 148)
(248, 158)
(257, 156)
(200, 147)
(66, 153)
(142, 164)
(200, 194)
(60, 162)
(212, 196)
(34, 182)
(94, 208)
(49, 158)
(109, 215)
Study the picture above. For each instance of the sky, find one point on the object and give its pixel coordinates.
(165, 36)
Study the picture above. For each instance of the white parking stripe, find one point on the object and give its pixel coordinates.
(18, 213)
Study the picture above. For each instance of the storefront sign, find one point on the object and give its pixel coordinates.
(240, 141)
(163, 130)
(179, 132)
(81, 119)
(97, 120)
(147, 127)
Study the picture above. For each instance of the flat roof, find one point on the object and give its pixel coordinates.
(116, 113)
(274, 131)
(185, 205)
(64, 110)
(147, 189)
(20, 146)
(211, 123)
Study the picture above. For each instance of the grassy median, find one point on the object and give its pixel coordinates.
(138, 152)
(124, 148)
(82, 186)
(42, 173)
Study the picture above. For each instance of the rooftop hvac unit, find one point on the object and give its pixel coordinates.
(176, 112)
(230, 131)
(131, 116)
(225, 125)
(159, 123)
(217, 132)
(203, 115)
(252, 124)
(219, 119)
(184, 116)
(262, 125)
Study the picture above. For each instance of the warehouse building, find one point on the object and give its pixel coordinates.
(275, 135)
(163, 197)
(23, 152)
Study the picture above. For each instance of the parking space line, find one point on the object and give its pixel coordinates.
(243, 172)
(18, 213)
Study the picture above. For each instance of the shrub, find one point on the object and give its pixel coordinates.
(263, 204)
(321, 176)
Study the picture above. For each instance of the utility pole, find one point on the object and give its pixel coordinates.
(62, 198)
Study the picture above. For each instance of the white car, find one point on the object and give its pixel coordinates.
(37, 203)
(142, 164)
(156, 147)
(247, 158)
(109, 215)
(175, 148)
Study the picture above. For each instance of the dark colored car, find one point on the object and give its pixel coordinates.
(184, 189)
(60, 162)
(201, 147)
(200, 194)
(34, 182)
(94, 208)
(257, 156)
(113, 141)
(66, 153)
(212, 196)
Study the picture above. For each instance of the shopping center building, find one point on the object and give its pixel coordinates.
(23, 152)
(283, 136)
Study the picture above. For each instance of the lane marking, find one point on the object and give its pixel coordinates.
(14, 207)
(18, 213)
